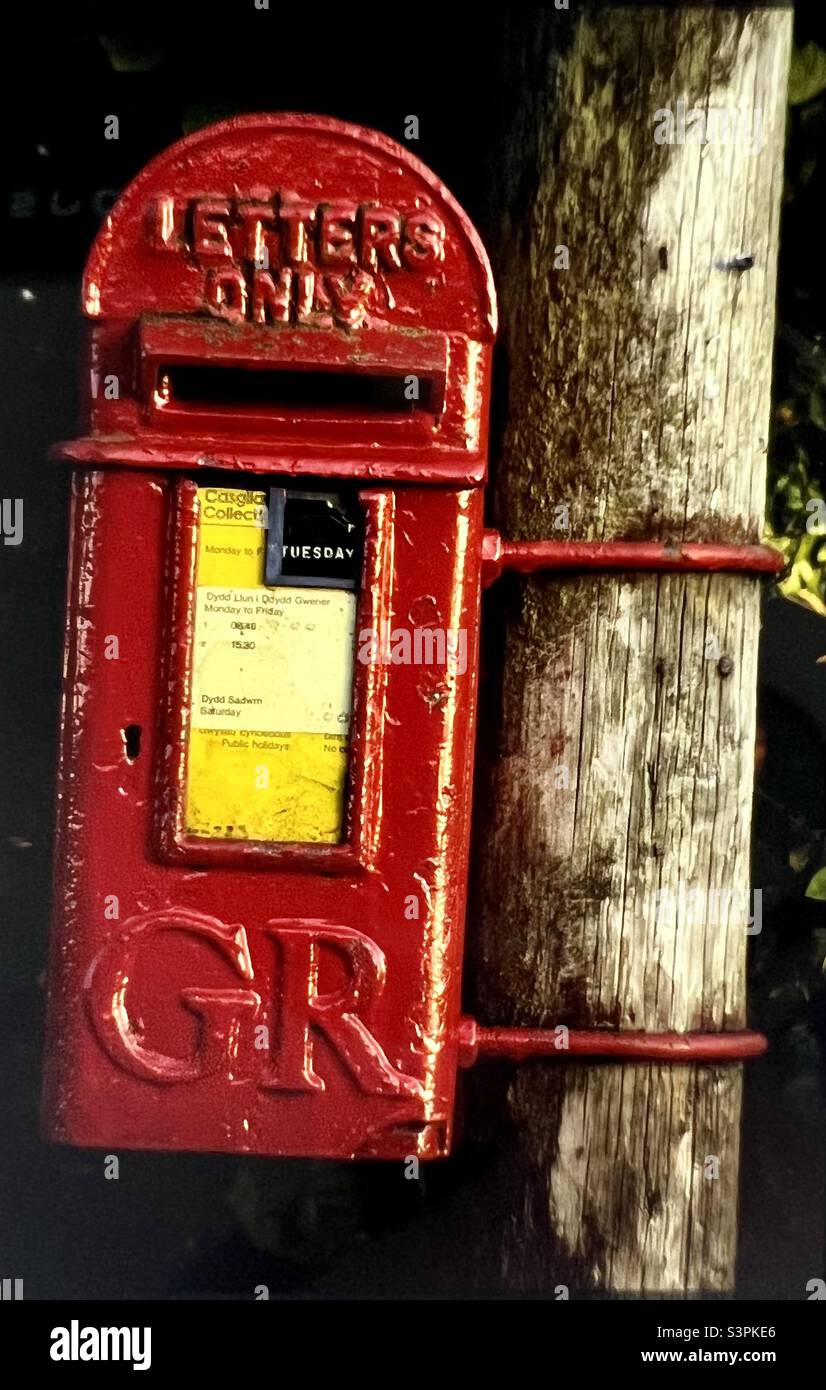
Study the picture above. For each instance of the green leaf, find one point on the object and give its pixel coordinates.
(817, 886)
(132, 55)
(816, 412)
(807, 74)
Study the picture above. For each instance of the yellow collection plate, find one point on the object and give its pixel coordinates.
(272, 685)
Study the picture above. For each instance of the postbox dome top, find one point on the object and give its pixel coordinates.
(289, 217)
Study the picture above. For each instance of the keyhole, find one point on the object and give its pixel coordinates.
(131, 736)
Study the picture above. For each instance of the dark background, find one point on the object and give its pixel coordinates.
(187, 1225)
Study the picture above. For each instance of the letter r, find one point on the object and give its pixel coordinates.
(336, 1016)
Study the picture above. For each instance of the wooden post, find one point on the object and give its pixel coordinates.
(637, 284)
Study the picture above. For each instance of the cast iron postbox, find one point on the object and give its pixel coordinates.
(270, 670)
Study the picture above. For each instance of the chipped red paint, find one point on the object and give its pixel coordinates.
(349, 955)
(190, 218)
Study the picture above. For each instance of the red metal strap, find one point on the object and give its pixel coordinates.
(519, 1044)
(527, 557)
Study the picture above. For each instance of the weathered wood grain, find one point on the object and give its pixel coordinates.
(622, 760)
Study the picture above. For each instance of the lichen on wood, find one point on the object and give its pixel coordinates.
(619, 764)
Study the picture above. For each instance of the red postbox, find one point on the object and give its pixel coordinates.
(270, 669)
